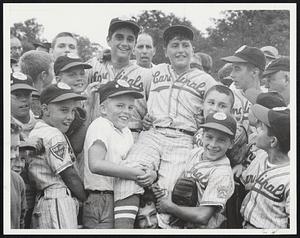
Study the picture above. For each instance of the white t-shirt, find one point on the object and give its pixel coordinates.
(117, 145)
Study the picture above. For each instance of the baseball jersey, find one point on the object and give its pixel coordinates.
(241, 107)
(117, 145)
(175, 100)
(135, 77)
(215, 183)
(58, 156)
(17, 201)
(267, 204)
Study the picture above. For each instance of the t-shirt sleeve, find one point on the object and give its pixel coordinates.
(219, 189)
(98, 130)
(58, 155)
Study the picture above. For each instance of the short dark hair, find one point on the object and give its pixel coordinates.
(179, 35)
(283, 145)
(147, 198)
(221, 89)
(62, 34)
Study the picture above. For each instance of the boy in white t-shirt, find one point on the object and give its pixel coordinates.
(107, 143)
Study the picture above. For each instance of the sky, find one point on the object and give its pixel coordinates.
(92, 20)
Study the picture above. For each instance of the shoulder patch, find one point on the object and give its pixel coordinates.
(58, 150)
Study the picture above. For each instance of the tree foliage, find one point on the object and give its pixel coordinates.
(252, 27)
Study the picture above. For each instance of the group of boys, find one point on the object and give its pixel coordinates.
(112, 137)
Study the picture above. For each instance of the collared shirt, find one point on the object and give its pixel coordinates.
(58, 156)
(117, 145)
(175, 100)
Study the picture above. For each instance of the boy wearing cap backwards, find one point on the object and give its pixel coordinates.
(175, 99)
(210, 167)
(248, 65)
(107, 143)
(267, 204)
(53, 171)
(277, 74)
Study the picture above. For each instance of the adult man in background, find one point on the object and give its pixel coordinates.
(277, 74)
(144, 50)
(16, 51)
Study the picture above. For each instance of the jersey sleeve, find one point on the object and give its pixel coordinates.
(219, 189)
(58, 153)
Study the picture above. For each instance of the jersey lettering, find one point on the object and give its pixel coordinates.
(157, 78)
(97, 77)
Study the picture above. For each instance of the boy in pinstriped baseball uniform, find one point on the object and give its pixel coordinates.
(267, 204)
(211, 169)
(175, 98)
(248, 64)
(53, 171)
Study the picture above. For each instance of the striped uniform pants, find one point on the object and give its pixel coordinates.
(164, 149)
(55, 209)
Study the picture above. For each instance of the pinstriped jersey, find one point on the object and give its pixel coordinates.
(267, 204)
(215, 183)
(241, 107)
(175, 100)
(58, 156)
(132, 73)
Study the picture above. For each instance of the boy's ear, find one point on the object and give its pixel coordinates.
(165, 51)
(108, 40)
(45, 110)
(231, 144)
(58, 78)
(102, 109)
(274, 142)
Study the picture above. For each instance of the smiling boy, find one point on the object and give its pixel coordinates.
(176, 96)
(211, 169)
(107, 143)
(53, 171)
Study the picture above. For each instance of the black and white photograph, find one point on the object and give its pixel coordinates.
(153, 118)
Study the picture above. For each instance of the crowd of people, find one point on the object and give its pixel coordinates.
(117, 142)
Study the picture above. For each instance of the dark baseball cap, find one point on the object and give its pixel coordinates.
(278, 119)
(175, 30)
(117, 23)
(65, 62)
(117, 88)
(281, 63)
(247, 54)
(221, 122)
(269, 99)
(270, 52)
(19, 80)
(59, 92)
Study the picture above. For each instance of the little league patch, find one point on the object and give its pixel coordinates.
(58, 150)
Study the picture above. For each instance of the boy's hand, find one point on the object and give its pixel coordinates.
(90, 91)
(159, 193)
(147, 179)
(147, 122)
(237, 170)
(164, 204)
